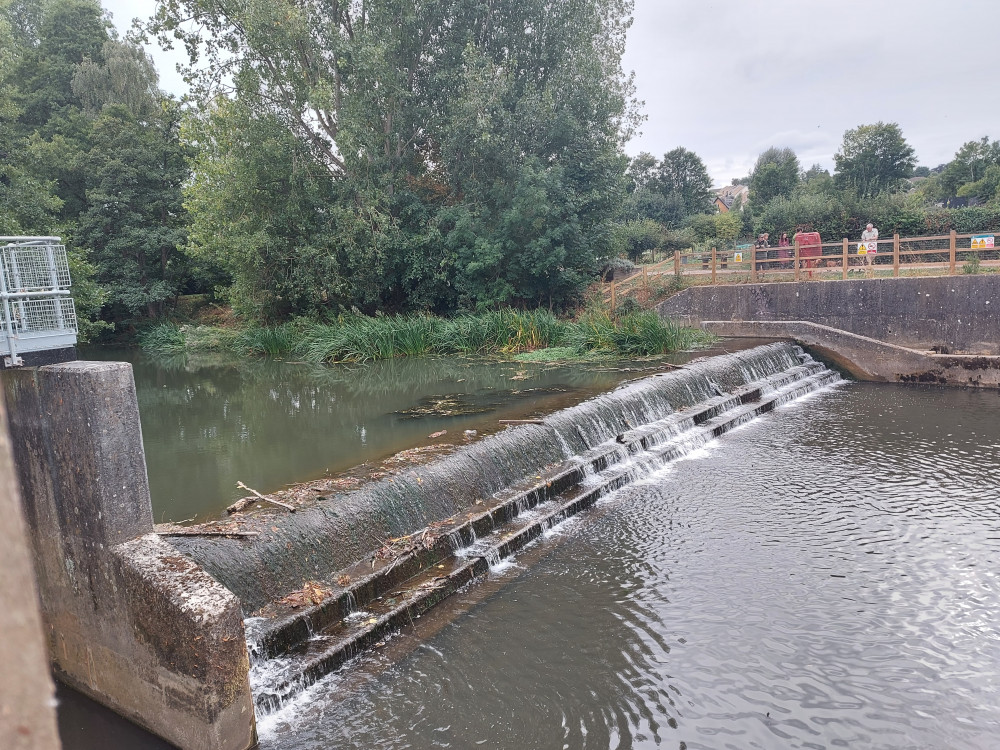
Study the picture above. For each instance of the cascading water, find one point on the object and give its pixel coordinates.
(502, 492)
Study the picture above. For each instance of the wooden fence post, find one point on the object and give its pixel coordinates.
(952, 247)
(845, 261)
(753, 263)
(798, 274)
(895, 255)
(713, 265)
(645, 278)
(614, 297)
(677, 262)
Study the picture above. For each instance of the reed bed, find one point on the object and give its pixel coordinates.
(359, 338)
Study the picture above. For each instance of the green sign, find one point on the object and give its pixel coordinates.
(743, 247)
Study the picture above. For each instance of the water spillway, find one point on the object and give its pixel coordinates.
(483, 503)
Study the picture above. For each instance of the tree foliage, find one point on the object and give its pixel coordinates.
(94, 154)
(776, 173)
(682, 173)
(439, 154)
(970, 164)
(874, 159)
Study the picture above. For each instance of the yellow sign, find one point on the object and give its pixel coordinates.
(738, 258)
(862, 248)
(982, 241)
(867, 248)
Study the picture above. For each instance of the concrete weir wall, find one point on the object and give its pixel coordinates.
(129, 621)
(955, 314)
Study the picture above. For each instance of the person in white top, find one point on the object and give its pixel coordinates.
(870, 235)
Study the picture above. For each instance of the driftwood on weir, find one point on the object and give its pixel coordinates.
(196, 532)
(246, 502)
(521, 421)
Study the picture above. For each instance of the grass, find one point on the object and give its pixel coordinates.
(363, 339)
(163, 338)
(500, 331)
(637, 334)
(279, 341)
(529, 335)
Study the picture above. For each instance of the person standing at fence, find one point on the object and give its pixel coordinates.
(784, 251)
(760, 251)
(870, 239)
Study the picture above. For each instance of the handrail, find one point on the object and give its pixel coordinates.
(835, 260)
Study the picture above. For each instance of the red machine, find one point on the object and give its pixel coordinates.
(810, 248)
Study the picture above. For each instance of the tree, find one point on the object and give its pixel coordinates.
(126, 77)
(642, 172)
(873, 159)
(636, 238)
(969, 165)
(985, 189)
(683, 173)
(728, 226)
(27, 203)
(776, 173)
(472, 148)
(135, 224)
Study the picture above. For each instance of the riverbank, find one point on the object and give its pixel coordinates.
(537, 336)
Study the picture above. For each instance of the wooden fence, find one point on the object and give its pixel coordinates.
(940, 255)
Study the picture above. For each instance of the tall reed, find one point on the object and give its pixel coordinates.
(358, 338)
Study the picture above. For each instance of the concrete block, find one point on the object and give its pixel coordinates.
(131, 622)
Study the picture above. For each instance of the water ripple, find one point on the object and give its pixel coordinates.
(822, 578)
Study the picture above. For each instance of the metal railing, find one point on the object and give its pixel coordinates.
(938, 255)
(36, 311)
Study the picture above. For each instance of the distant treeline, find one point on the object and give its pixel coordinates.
(436, 156)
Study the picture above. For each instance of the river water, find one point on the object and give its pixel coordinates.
(210, 421)
(822, 577)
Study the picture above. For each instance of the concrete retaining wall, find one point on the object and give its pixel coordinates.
(868, 359)
(956, 314)
(27, 711)
(130, 621)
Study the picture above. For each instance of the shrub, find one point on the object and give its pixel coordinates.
(162, 338)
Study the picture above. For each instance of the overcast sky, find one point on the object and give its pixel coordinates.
(728, 79)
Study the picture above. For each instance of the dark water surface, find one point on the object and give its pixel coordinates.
(210, 421)
(823, 577)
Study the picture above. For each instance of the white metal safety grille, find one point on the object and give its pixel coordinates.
(40, 316)
(35, 267)
(36, 311)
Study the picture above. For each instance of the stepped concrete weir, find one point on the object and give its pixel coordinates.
(338, 576)
(130, 621)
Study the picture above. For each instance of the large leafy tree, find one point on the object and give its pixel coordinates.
(776, 173)
(970, 164)
(96, 146)
(874, 159)
(471, 148)
(134, 222)
(27, 202)
(682, 173)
